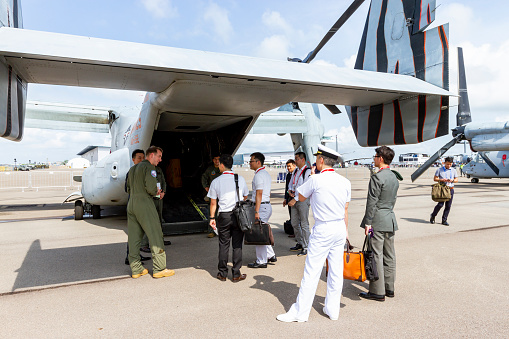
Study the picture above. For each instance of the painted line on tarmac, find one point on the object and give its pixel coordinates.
(53, 287)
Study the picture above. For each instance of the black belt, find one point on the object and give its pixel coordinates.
(265, 202)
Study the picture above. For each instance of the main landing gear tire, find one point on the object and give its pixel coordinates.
(474, 180)
(96, 212)
(78, 210)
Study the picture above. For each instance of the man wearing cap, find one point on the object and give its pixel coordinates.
(223, 192)
(263, 209)
(330, 194)
(380, 217)
(300, 209)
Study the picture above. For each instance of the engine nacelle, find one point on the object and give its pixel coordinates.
(104, 182)
(490, 142)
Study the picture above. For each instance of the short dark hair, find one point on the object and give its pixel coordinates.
(291, 161)
(136, 151)
(153, 149)
(449, 159)
(301, 155)
(386, 153)
(226, 160)
(258, 156)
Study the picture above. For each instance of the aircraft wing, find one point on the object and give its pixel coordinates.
(60, 59)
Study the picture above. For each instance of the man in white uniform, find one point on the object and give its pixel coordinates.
(263, 208)
(300, 209)
(330, 194)
(223, 189)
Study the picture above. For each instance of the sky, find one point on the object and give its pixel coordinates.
(262, 28)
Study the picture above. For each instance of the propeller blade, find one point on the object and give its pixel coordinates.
(346, 15)
(489, 162)
(333, 109)
(463, 117)
(434, 158)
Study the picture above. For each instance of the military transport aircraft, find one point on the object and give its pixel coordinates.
(199, 103)
(483, 137)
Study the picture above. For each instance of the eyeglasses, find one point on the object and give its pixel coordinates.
(376, 156)
(250, 161)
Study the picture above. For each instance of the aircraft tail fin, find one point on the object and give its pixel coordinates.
(463, 117)
(13, 89)
(395, 40)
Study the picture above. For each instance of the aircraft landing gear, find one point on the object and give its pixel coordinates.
(474, 180)
(78, 210)
(96, 212)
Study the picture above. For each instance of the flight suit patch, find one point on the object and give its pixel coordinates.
(153, 173)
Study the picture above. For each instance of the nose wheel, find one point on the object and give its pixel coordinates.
(78, 210)
(474, 180)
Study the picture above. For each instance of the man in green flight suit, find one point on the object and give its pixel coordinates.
(210, 174)
(142, 216)
(158, 202)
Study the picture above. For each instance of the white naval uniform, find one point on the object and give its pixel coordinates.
(329, 192)
(262, 181)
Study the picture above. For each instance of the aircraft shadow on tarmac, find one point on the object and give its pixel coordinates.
(70, 265)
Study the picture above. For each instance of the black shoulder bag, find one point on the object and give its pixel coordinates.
(369, 260)
(244, 210)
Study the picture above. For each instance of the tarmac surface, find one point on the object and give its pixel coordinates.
(66, 278)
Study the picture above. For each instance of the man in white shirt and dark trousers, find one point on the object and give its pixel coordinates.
(223, 189)
(263, 208)
(330, 195)
(300, 209)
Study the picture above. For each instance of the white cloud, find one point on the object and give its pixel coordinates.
(218, 17)
(274, 47)
(160, 9)
(275, 21)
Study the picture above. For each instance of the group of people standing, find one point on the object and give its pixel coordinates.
(326, 192)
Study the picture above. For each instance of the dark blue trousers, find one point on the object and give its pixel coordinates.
(446, 210)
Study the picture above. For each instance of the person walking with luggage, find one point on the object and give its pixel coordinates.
(300, 209)
(263, 209)
(449, 176)
(330, 195)
(223, 188)
(381, 220)
(142, 215)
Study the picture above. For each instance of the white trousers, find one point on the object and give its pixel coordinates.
(264, 251)
(327, 241)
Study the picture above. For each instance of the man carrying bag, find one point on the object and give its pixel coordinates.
(381, 221)
(223, 189)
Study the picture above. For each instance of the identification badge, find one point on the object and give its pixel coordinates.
(153, 173)
(213, 173)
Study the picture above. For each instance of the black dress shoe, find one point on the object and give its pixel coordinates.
(389, 294)
(445, 223)
(371, 296)
(302, 253)
(220, 277)
(145, 249)
(239, 278)
(296, 248)
(167, 242)
(272, 259)
(431, 219)
(256, 265)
